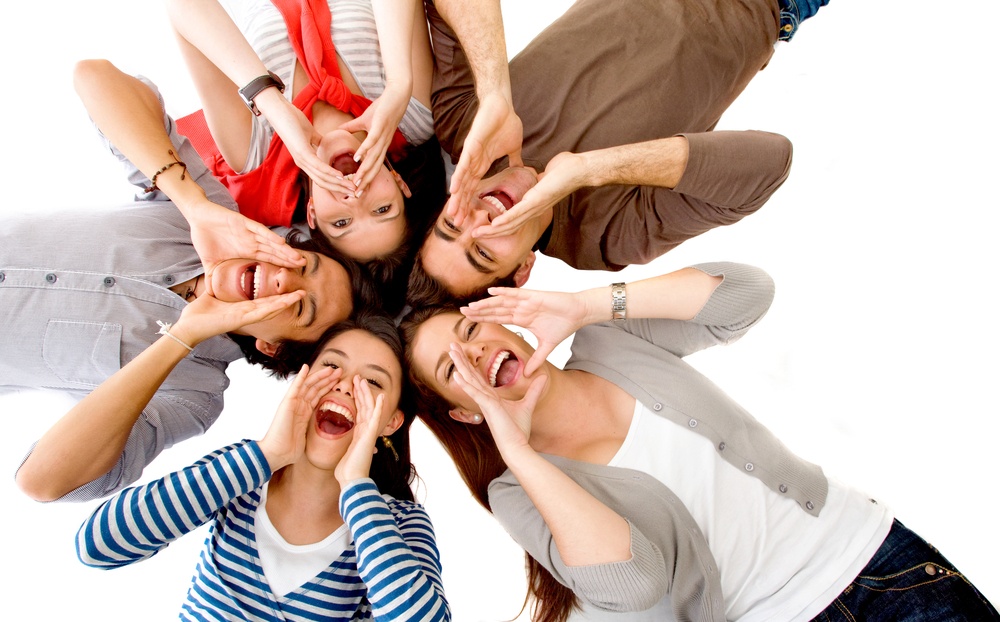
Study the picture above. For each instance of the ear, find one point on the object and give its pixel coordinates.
(463, 416)
(393, 424)
(310, 214)
(524, 270)
(266, 347)
(405, 189)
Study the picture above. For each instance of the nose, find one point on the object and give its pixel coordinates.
(478, 216)
(289, 280)
(345, 385)
(474, 352)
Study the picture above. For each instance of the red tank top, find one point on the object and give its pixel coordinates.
(269, 193)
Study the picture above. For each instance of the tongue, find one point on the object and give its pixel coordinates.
(248, 282)
(333, 423)
(507, 371)
(345, 164)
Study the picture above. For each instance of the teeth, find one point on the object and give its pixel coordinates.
(503, 356)
(495, 202)
(337, 408)
(256, 282)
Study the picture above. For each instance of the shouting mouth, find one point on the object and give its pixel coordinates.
(333, 419)
(250, 280)
(499, 201)
(505, 369)
(345, 163)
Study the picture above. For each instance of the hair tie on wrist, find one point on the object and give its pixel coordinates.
(165, 330)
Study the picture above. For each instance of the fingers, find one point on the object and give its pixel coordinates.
(268, 307)
(456, 210)
(317, 384)
(538, 358)
(535, 389)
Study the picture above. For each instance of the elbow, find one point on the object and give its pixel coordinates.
(38, 486)
(89, 72)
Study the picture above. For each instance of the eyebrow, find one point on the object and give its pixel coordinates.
(311, 312)
(468, 256)
(445, 356)
(348, 231)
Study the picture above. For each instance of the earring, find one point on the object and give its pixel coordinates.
(388, 445)
(477, 418)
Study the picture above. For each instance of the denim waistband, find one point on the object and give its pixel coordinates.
(793, 13)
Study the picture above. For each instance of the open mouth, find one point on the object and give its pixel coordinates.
(332, 419)
(345, 163)
(499, 200)
(250, 281)
(504, 369)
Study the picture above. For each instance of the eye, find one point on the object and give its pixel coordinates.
(340, 224)
(483, 254)
(382, 210)
(298, 312)
(451, 225)
(470, 330)
(331, 365)
(448, 372)
(374, 382)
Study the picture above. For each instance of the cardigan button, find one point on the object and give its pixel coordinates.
(809, 505)
(2, 277)
(169, 279)
(722, 446)
(50, 277)
(109, 281)
(693, 423)
(749, 466)
(657, 407)
(782, 488)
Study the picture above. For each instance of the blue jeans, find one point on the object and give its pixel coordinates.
(794, 12)
(909, 580)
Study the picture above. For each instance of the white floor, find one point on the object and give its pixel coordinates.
(877, 361)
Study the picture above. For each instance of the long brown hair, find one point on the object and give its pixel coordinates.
(478, 461)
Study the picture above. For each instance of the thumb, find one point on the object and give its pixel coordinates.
(536, 360)
(534, 392)
(514, 158)
(354, 125)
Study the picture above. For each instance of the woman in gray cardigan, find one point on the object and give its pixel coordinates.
(636, 485)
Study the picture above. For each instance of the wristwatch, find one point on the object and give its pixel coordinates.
(258, 84)
(618, 302)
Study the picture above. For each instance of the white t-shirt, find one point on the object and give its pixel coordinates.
(287, 566)
(777, 562)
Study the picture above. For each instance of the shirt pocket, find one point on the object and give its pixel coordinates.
(84, 354)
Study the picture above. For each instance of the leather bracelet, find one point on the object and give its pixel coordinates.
(258, 84)
(618, 302)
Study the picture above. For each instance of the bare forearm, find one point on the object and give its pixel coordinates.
(678, 295)
(205, 25)
(88, 440)
(655, 163)
(394, 22)
(479, 26)
(585, 530)
(129, 114)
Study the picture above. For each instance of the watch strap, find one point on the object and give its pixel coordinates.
(618, 302)
(258, 84)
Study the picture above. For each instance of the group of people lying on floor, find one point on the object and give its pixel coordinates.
(303, 220)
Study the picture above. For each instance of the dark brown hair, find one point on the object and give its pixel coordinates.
(478, 461)
(392, 472)
(290, 355)
(426, 291)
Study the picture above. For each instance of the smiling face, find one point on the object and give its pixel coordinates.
(328, 297)
(496, 354)
(464, 264)
(358, 353)
(365, 227)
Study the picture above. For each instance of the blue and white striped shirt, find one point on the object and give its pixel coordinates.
(391, 572)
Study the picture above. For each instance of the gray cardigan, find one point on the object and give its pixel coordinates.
(670, 556)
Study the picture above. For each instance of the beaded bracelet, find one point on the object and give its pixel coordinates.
(176, 161)
(165, 330)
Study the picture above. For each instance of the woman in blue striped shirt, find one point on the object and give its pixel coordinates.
(299, 528)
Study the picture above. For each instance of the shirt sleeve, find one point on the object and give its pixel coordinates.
(397, 554)
(635, 584)
(735, 171)
(137, 522)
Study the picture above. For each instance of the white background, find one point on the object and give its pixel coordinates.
(877, 360)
